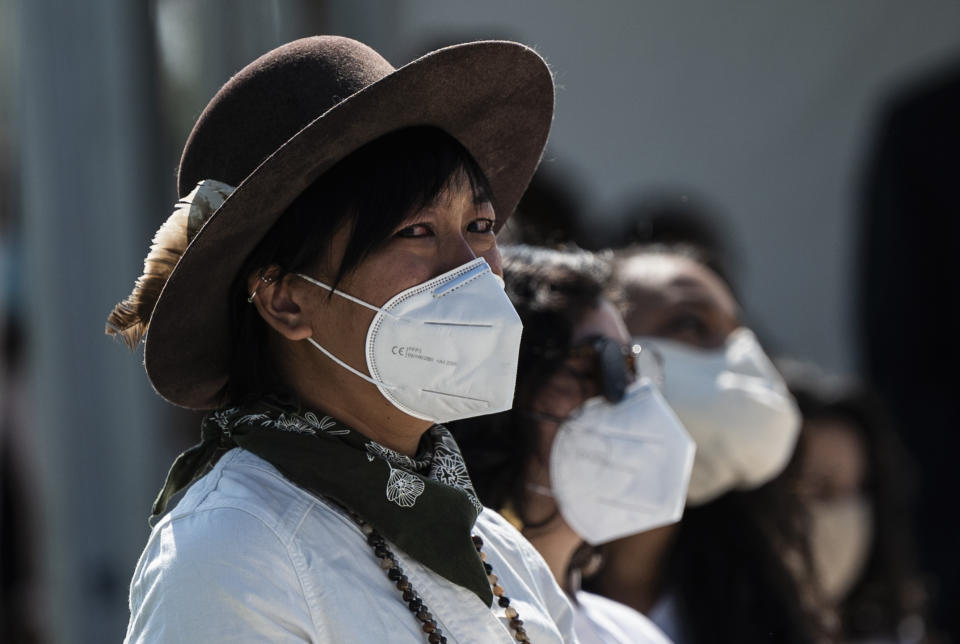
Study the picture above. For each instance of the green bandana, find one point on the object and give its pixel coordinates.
(425, 505)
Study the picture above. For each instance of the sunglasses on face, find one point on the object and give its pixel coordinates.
(617, 365)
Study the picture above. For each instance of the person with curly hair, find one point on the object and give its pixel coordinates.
(590, 451)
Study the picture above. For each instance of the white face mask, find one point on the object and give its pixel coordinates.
(840, 538)
(619, 469)
(445, 349)
(737, 408)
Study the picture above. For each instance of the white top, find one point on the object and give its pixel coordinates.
(247, 556)
(664, 614)
(599, 620)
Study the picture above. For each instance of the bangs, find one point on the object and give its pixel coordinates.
(373, 191)
(397, 176)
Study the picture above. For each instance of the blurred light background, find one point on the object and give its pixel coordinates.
(764, 111)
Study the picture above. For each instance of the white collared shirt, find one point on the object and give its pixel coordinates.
(247, 556)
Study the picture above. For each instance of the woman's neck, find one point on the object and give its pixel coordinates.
(556, 542)
(632, 571)
(553, 538)
(325, 386)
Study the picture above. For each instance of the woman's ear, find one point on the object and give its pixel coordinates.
(277, 302)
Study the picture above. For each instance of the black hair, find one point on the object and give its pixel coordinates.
(373, 190)
(728, 572)
(889, 588)
(673, 218)
(550, 213)
(688, 249)
(551, 290)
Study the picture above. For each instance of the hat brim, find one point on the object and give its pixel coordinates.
(495, 97)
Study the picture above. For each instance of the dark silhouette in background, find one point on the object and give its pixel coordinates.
(19, 502)
(909, 320)
(551, 213)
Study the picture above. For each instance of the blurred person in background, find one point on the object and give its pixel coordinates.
(21, 575)
(20, 556)
(677, 217)
(721, 574)
(590, 451)
(857, 478)
(550, 214)
(328, 286)
(909, 244)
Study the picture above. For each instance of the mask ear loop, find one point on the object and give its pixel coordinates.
(343, 364)
(353, 299)
(340, 362)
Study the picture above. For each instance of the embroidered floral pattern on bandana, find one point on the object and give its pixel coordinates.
(308, 423)
(376, 450)
(223, 418)
(438, 459)
(412, 502)
(444, 464)
(403, 488)
(449, 468)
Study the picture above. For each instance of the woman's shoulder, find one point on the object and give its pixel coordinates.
(242, 487)
(217, 548)
(242, 508)
(600, 619)
(240, 531)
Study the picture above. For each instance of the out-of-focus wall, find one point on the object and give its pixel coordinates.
(86, 129)
(764, 109)
(100, 117)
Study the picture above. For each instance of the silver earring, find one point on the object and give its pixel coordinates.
(265, 280)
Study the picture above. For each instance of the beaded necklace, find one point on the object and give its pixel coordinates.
(388, 562)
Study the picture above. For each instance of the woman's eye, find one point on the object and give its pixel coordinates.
(704, 331)
(688, 328)
(688, 323)
(482, 225)
(415, 230)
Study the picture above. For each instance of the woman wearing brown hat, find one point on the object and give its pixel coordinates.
(329, 287)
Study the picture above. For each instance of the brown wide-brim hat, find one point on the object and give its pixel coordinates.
(288, 117)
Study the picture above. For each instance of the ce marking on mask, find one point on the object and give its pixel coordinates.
(417, 353)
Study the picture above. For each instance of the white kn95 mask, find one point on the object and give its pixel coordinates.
(617, 469)
(736, 407)
(445, 349)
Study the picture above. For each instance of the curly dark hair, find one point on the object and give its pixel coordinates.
(551, 290)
